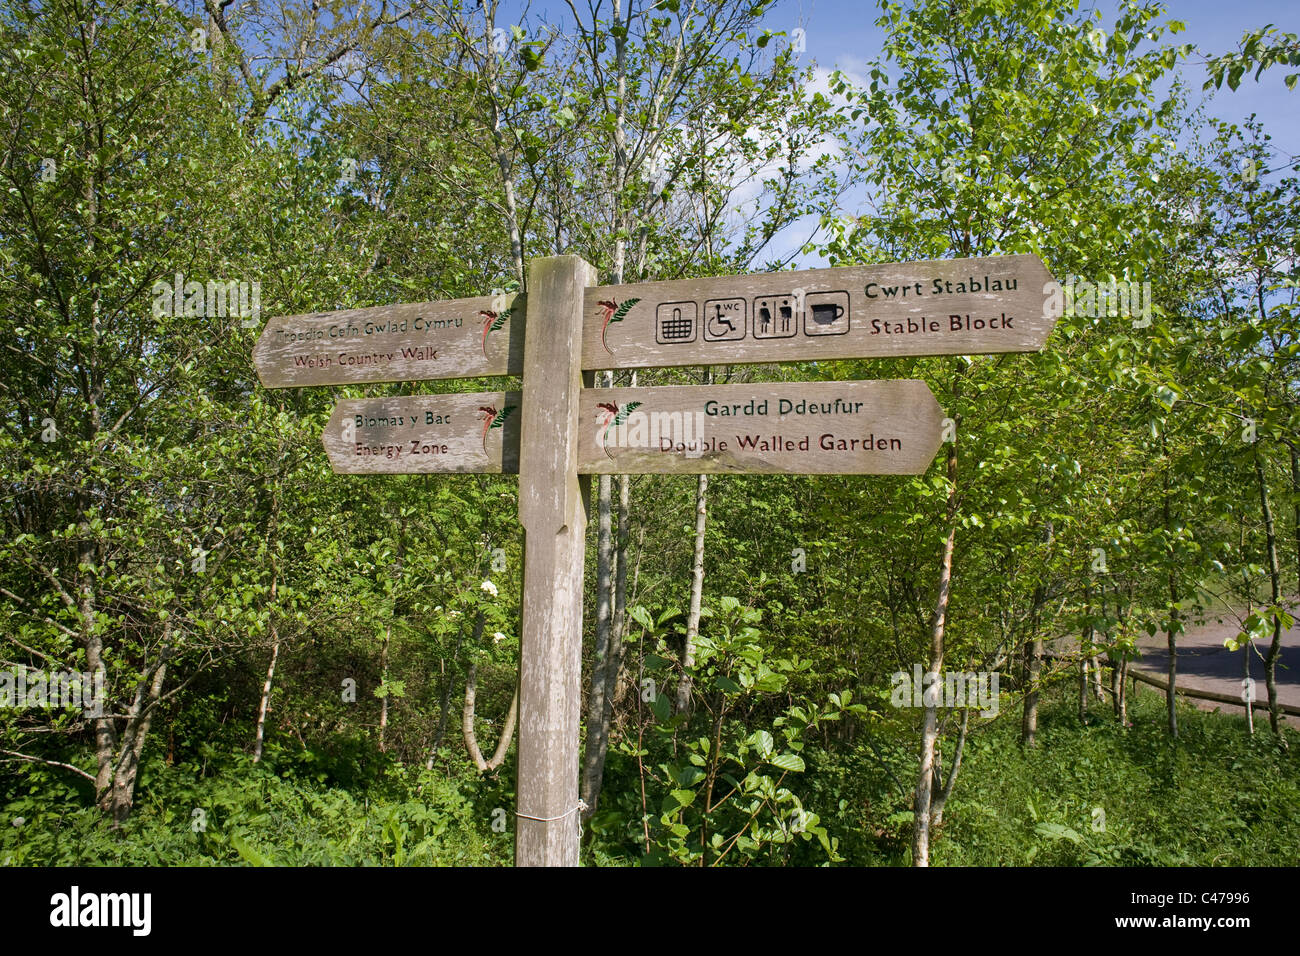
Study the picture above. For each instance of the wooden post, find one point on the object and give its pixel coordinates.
(566, 328)
(553, 512)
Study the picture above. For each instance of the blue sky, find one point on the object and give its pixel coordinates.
(842, 32)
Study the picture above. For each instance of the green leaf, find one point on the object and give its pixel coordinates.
(791, 762)
(621, 312)
(248, 854)
(621, 417)
(501, 416)
(1056, 831)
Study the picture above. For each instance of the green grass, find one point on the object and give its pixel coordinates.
(1216, 797)
(249, 815)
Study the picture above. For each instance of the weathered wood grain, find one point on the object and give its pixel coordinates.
(934, 309)
(425, 434)
(394, 343)
(553, 512)
(871, 428)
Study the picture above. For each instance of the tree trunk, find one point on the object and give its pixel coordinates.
(936, 809)
(119, 796)
(599, 723)
(1275, 582)
(1114, 685)
(1295, 490)
(1121, 694)
(1085, 653)
(1083, 680)
(444, 690)
(1083, 689)
(1171, 628)
(383, 679)
(1034, 657)
(1245, 682)
(593, 756)
(139, 719)
(1170, 637)
(697, 586)
(93, 641)
(1119, 664)
(265, 703)
(467, 725)
(1033, 667)
(923, 798)
(619, 629)
(504, 163)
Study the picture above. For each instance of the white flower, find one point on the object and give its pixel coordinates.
(18, 821)
(498, 637)
(489, 587)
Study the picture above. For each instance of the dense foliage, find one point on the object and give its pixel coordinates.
(287, 652)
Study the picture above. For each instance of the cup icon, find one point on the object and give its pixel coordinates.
(824, 313)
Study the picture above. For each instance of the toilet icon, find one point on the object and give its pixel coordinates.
(776, 316)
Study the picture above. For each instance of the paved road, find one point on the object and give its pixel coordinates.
(1205, 664)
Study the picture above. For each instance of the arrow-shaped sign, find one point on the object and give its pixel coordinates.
(457, 338)
(804, 428)
(425, 434)
(876, 428)
(939, 307)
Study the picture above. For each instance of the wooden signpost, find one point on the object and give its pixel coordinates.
(556, 431)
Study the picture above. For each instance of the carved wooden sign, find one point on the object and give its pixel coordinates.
(800, 428)
(837, 428)
(941, 307)
(458, 338)
(425, 434)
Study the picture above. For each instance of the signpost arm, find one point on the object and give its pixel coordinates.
(553, 512)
